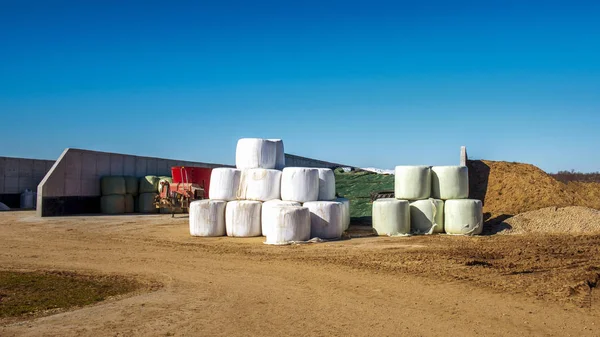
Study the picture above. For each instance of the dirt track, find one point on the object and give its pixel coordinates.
(417, 286)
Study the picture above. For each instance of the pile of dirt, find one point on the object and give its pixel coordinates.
(507, 189)
(573, 219)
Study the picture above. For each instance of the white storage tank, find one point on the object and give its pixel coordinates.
(28, 199)
(267, 213)
(346, 203)
(289, 224)
(427, 216)
(449, 182)
(463, 216)
(391, 216)
(300, 184)
(326, 219)
(207, 217)
(412, 182)
(326, 184)
(224, 183)
(242, 218)
(260, 184)
(255, 153)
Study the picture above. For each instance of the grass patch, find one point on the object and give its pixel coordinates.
(357, 187)
(27, 293)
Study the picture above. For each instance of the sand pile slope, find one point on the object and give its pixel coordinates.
(573, 219)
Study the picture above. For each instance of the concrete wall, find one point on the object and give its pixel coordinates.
(298, 161)
(73, 184)
(19, 174)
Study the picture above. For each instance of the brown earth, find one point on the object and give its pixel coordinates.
(507, 189)
(572, 219)
(376, 286)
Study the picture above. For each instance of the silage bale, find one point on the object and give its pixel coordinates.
(449, 182)
(131, 185)
(112, 204)
(326, 184)
(267, 216)
(255, 153)
(242, 218)
(148, 184)
(346, 204)
(224, 183)
(391, 216)
(463, 216)
(113, 185)
(207, 217)
(146, 203)
(289, 224)
(412, 182)
(427, 216)
(299, 184)
(280, 154)
(129, 203)
(326, 219)
(260, 184)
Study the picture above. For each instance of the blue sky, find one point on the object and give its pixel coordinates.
(367, 83)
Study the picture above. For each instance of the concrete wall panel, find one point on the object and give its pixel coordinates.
(39, 170)
(11, 167)
(25, 167)
(88, 164)
(162, 167)
(11, 185)
(116, 165)
(74, 165)
(72, 187)
(129, 165)
(140, 167)
(90, 187)
(103, 164)
(26, 183)
(151, 168)
(2, 184)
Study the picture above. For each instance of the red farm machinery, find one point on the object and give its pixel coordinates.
(189, 184)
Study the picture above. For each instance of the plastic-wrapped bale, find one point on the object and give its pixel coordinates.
(242, 218)
(289, 224)
(146, 203)
(255, 153)
(129, 203)
(449, 182)
(463, 216)
(113, 185)
(148, 184)
(267, 213)
(427, 216)
(326, 184)
(300, 184)
(224, 183)
(412, 182)
(346, 204)
(112, 204)
(260, 184)
(131, 185)
(391, 216)
(207, 217)
(280, 154)
(163, 179)
(326, 219)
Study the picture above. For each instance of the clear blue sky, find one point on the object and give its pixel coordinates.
(366, 83)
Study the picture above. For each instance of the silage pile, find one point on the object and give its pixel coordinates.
(573, 220)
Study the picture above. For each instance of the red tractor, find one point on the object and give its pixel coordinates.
(189, 184)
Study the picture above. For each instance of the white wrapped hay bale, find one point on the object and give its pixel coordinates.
(224, 183)
(112, 185)
(412, 182)
(391, 216)
(280, 154)
(326, 184)
(260, 184)
(326, 219)
(346, 203)
(129, 203)
(299, 184)
(427, 216)
(112, 204)
(255, 153)
(146, 203)
(207, 217)
(267, 213)
(242, 218)
(449, 182)
(463, 216)
(289, 223)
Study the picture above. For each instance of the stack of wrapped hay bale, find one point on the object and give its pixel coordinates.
(262, 197)
(429, 200)
(118, 194)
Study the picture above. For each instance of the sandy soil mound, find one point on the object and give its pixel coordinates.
(508, 189)
(574, 220)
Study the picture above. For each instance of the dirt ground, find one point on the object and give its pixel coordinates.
(413, 286)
